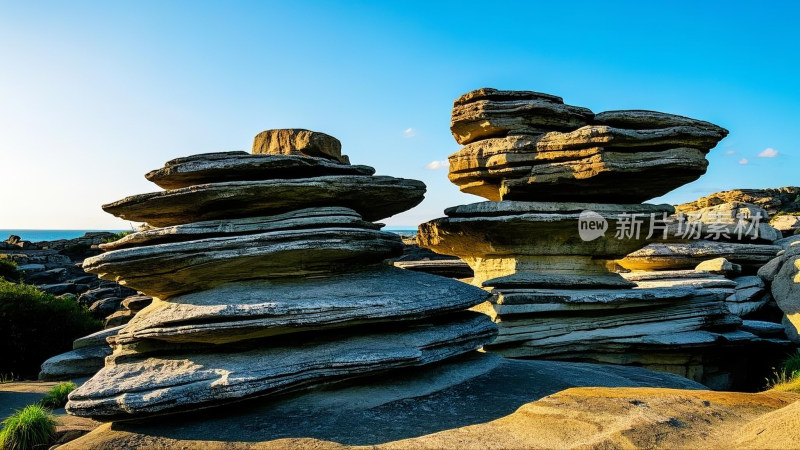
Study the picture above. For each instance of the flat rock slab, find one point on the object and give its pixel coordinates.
(242, 166)
(639, 119)
(97, 339)
(239, 311)
(133, 385)
(512, 229)
(621, 138)
(671, 256)
(515, 168)
(79, 363)
(174, 268)
(571, 319)
(762, 329)
(374, 197)
(403, 405)
(511, 208)
(488, 112)
(304, 218)
(451, 268)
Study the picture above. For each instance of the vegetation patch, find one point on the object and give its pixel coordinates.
(8, 270)
(57, 396)
(34, 425)
(117, 236)
(35, 326)
(787, 379)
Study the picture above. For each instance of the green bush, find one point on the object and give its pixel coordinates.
(8, 270)
(787, 379)
(117, 236)
(792, 365)
(33, 425)
(57, 396)
(35, 326)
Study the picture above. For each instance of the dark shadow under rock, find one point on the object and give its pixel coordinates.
(405, 404)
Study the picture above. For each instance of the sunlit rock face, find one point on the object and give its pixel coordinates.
(268, 276)
(565, 188)
(532, 147)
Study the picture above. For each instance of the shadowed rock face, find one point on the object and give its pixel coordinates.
(269, 277)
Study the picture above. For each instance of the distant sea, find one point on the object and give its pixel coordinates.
(46, 235)
(405, 232)
(54, 235)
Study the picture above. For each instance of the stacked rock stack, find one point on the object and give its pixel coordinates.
(267, 275)
(565, 187)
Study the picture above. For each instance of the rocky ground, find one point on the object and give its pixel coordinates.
(56, 267)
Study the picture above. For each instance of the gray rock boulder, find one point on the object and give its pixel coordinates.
(79, 363)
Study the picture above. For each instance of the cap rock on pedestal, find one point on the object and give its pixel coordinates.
(297, 141)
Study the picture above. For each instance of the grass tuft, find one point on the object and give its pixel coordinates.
(26, 428)
(57, 396)
(792, 365)
(116, 236)
(787, 379)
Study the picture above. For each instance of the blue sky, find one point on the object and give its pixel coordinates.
(95, 94)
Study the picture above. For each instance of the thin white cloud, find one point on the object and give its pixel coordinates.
(730, 152)
(768, 153)
(409, 132)
(436, 165)
(743, 161)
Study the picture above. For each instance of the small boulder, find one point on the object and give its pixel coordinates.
(297, 141)
(719, 266)
(104, 307)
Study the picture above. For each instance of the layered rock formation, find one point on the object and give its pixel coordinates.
(268, 276)
(565, 187)
(774, 201)
(718, 249)
(530, 146)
